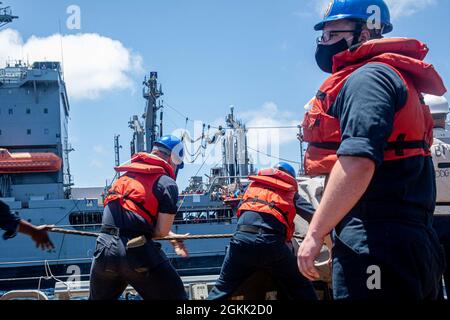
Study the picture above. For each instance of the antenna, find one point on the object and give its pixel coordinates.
(62, 49)
(117, 148)
(161, 121)
(151, 95)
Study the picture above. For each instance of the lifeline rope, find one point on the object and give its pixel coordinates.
(193, 237)
(189, 237)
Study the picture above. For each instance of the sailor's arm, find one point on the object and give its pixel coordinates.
(162, 229)
(167, 193)
(163, 225)
(39, 234)
(8, 221)
(12, 225)
(304, 208)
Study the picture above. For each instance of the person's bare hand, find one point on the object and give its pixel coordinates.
(179, 246)
(308, 252)
(40, 236)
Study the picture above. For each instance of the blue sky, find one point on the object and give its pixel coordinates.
(257, 55)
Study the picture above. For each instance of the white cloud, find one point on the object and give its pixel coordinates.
(269, 115)
(93, 64)
(398, 8)
(269, 141)
(401, 8)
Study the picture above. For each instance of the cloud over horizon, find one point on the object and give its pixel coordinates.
(93, 64)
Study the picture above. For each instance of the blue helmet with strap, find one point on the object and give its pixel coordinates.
(286, 167)
(173, 147)
(359, 10)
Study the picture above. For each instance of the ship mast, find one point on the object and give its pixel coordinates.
(152, 94)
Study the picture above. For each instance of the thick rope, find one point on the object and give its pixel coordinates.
(189, 237)
(193, 237)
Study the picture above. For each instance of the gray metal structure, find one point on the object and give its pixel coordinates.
(151, 94)
(36, 122)
(235, 151)
(6, 15)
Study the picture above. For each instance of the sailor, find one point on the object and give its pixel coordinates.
(441, 158)
(370, 134)
(12, 224)
(141, 205)
(266, 223)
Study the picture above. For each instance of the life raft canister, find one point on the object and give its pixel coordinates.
(135, 188)
(272, 191)
(412, 133)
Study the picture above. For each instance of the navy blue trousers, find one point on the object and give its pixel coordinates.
(147, 269)
(387, 261)
(248, 253)
(442, 226)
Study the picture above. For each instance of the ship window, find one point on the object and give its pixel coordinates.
(45, 110)
(10, 111)
(86, 220)
(46, 131)
(28, 111)
(0, 132)
(28, 131)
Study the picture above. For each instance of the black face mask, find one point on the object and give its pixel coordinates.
(325, 54)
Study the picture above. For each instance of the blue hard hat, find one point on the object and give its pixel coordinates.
(356, 10)
(286, 167)
(175, 146)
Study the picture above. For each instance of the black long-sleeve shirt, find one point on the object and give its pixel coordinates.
(8, 221)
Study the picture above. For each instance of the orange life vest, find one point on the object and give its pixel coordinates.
(412, 133)
(135, 188)
(272, 191)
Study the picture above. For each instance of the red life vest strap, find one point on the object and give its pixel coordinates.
(138, 204)
(271, 205)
